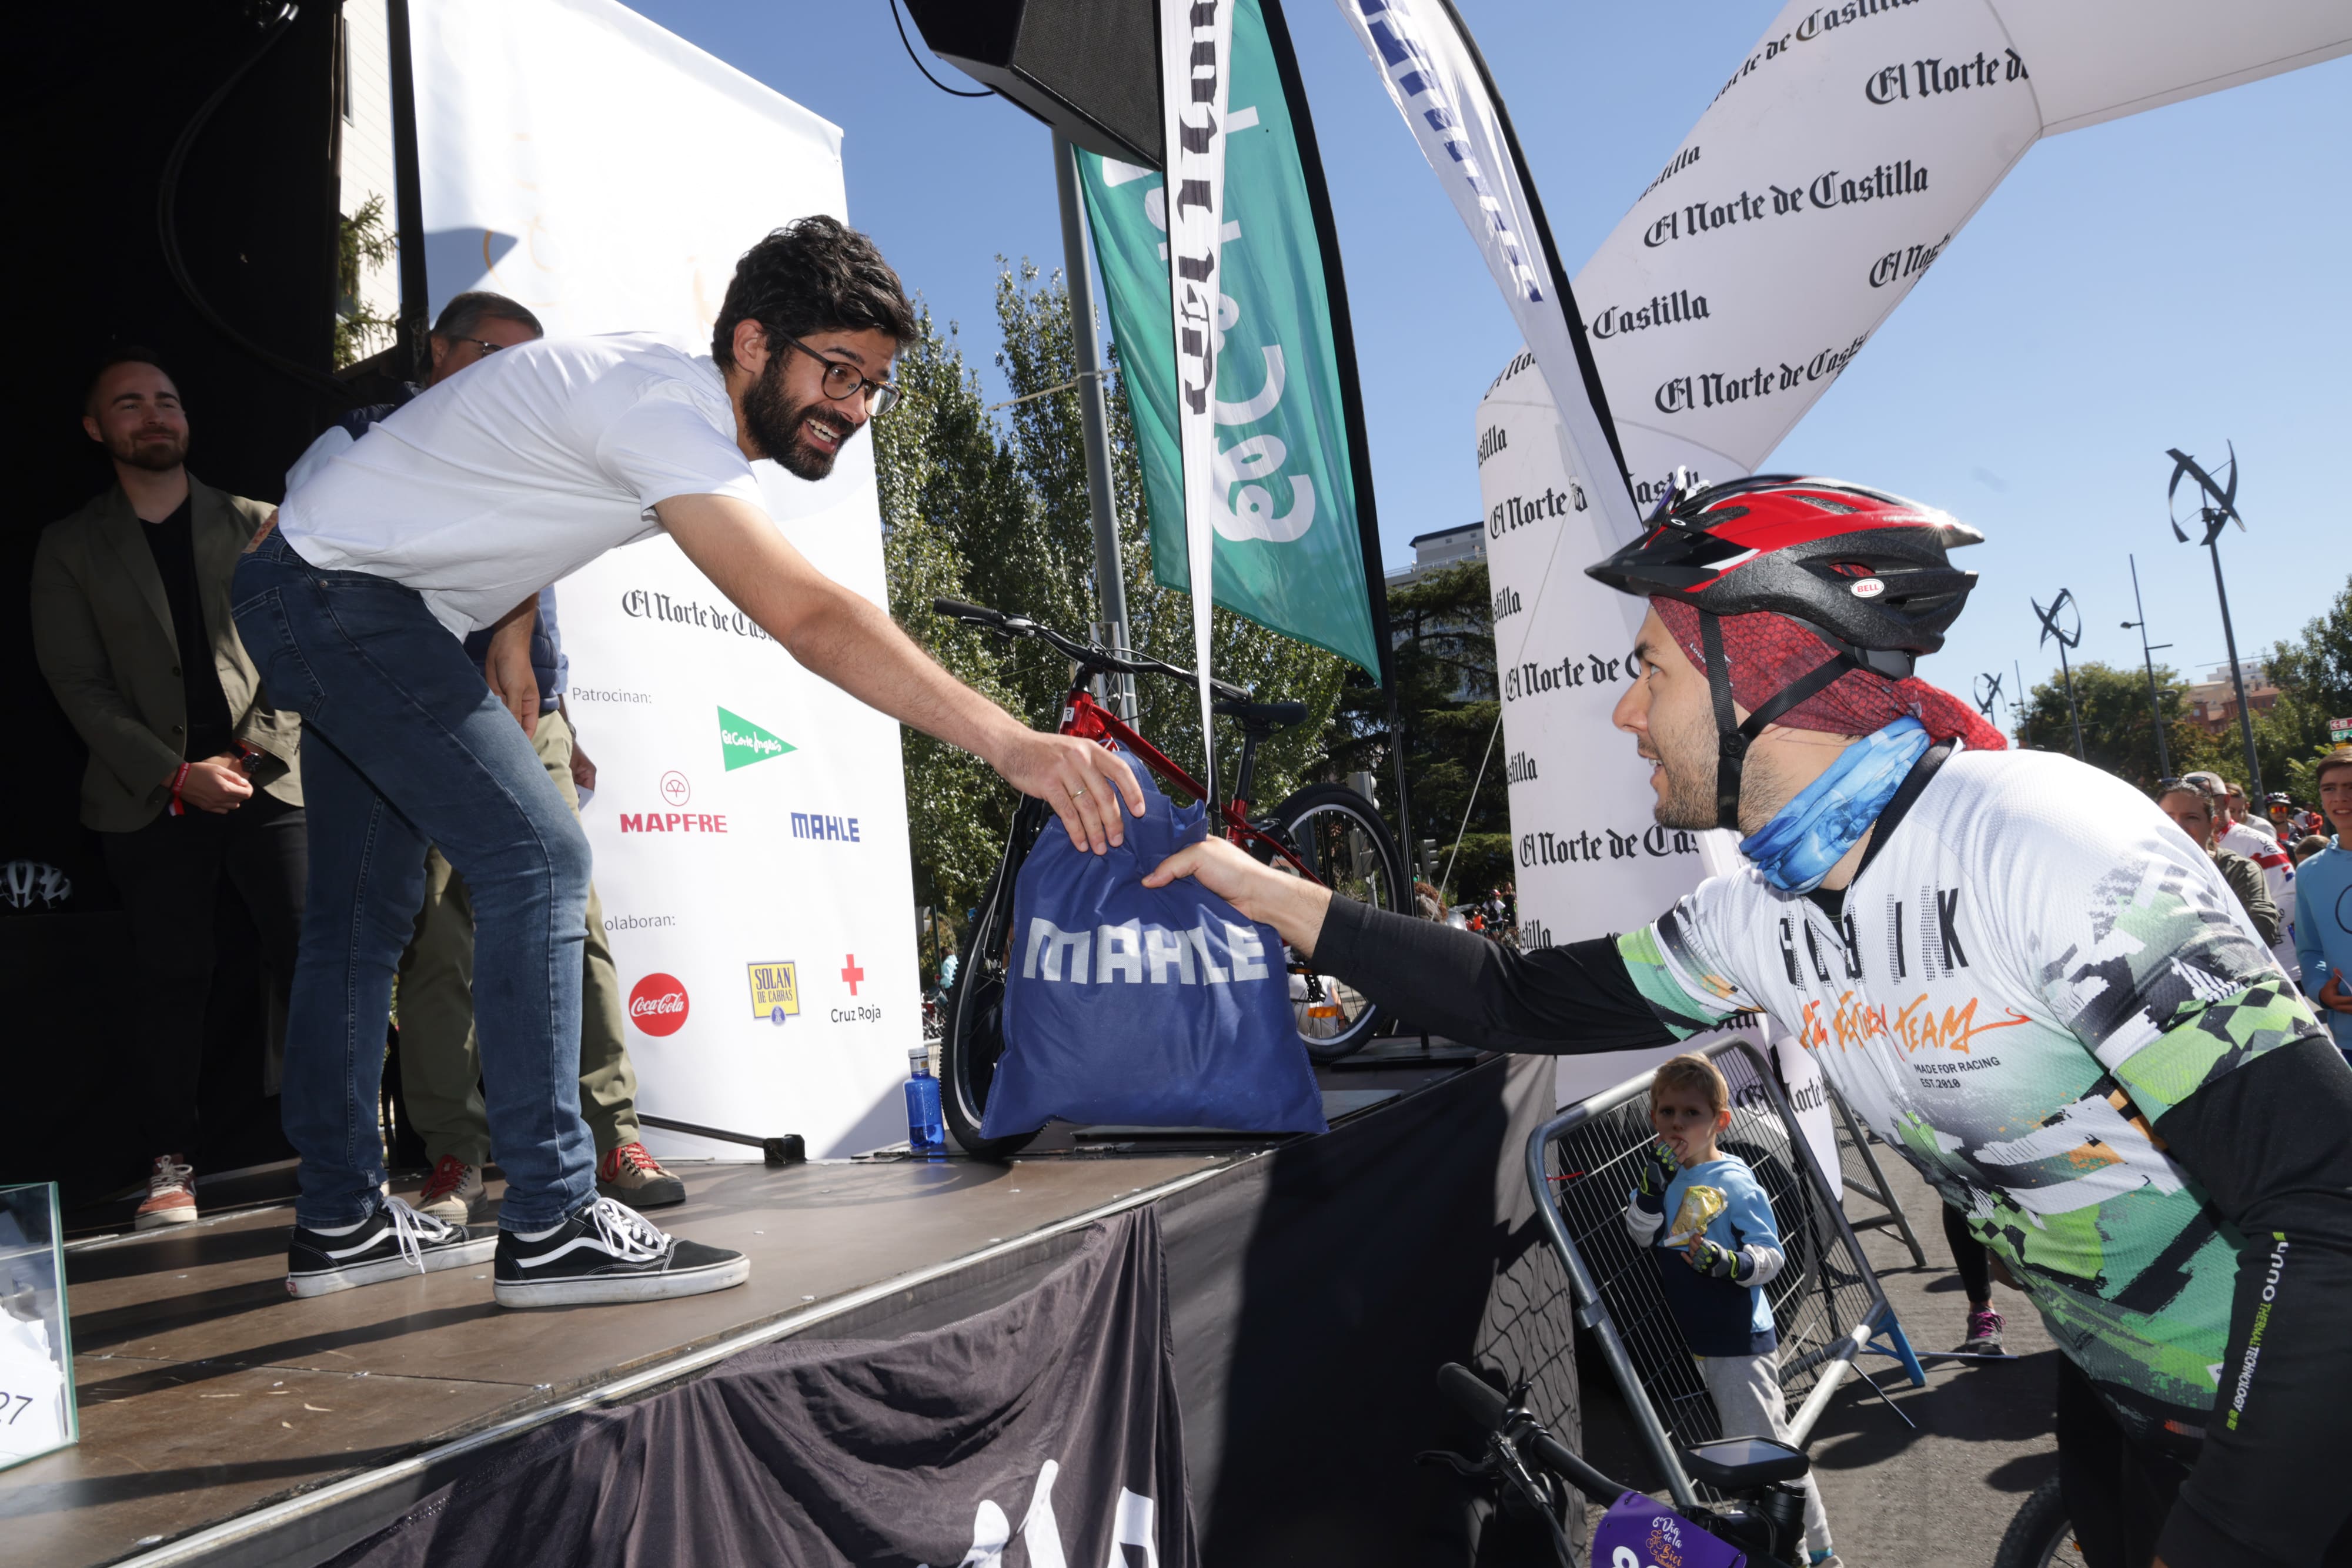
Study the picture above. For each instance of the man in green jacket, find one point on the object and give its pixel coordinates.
(192, 776)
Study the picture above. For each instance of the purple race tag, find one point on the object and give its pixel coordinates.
(1642, 1532)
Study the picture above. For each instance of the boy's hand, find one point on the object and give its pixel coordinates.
(1714, 1260)
(1654, 1173)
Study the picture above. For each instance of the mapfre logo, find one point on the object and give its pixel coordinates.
(657, 1005)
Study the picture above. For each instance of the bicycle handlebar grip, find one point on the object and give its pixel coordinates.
(1470, 1394)
(956, 609)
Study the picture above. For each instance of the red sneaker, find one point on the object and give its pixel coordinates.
(629, 1174)
(171, 1195)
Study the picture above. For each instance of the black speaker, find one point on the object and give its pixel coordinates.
(1090, 68)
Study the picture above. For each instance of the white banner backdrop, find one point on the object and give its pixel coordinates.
(749, 820)
(1832, 169)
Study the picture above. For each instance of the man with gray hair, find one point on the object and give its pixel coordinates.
(2195, 811)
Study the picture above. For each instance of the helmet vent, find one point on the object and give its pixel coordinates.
(1824, 502)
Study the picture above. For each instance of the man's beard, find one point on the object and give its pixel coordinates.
(157, 458)
(1688, 760)
(775, 422)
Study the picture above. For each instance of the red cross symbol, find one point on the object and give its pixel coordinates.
(851, 972)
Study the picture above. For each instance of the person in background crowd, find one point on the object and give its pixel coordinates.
(440, 1058)
(448, 518)
(2323, 937)
(948, 962)
(2308, 848)
(2193, 810)
(193, 776)
(2244, 832)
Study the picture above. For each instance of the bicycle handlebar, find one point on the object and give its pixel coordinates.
(1479, 1400)
(1087, 653)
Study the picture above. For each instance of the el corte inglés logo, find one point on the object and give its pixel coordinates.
(775, 991)
(741, 743)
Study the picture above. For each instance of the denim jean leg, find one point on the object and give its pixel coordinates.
(366, 880)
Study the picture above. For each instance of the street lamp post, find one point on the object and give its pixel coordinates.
(2148, 660)
(2066, 640)
(2218, 504)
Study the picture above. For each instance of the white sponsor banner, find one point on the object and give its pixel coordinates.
(1833, 168)
(1196, 74)
(749, 821)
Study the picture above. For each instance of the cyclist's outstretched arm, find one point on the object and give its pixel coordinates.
(1554, 1001)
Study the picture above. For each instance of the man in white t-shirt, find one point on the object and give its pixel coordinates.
(449, 515)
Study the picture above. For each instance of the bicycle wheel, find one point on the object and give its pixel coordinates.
(2040, 1536)
(1342, 838)
(975, 1039)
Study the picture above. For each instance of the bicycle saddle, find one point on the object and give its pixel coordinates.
(1265, 717)
(1739, 1464)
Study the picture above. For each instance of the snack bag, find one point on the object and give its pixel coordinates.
(1700, 1206)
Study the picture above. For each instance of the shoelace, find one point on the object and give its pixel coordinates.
(411, 1230)
(169, 1176)
(630, 1156)
(448, 1175)
(625, 1233)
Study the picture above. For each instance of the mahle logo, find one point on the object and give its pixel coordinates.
(741, 743)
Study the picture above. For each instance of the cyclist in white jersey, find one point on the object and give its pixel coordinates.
(2013, 968)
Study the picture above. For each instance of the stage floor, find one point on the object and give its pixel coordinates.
(205, 1392)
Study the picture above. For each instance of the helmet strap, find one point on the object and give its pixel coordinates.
(1734, 738)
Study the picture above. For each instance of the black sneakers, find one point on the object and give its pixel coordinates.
(394, 1240)
(605, 1251)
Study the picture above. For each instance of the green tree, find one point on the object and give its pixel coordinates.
(997, 514)
(2119, 733)
(2313, 672)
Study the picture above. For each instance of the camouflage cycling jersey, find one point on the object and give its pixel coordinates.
(2030, 972)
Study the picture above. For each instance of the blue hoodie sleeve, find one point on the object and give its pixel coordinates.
(1753, 1229)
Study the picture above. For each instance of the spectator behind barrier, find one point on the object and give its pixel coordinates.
(2193, 809)
(440, 1054)
(193, 776)
(2238, 829)
(2323, 937)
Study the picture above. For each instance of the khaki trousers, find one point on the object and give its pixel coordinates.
(440, 1061)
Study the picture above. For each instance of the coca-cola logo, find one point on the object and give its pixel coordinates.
(657, 1005)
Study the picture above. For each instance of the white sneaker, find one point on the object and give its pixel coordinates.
(454, 1192)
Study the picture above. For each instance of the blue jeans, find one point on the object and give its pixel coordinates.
(403, 746)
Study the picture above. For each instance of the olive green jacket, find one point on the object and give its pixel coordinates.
(102, 632)
(2253, 889)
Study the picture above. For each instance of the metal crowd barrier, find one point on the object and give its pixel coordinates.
(1826, 1302)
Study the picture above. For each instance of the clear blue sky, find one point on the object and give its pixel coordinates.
(2174, 278)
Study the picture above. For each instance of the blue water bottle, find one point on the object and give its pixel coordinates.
(926, 1138)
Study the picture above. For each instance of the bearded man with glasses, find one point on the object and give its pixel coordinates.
(448, 518)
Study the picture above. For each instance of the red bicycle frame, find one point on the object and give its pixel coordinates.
(1090, 720)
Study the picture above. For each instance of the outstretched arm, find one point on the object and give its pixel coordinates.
(1554, 1001)
(850, 641)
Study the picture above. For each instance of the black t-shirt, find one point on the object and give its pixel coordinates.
(172, 544)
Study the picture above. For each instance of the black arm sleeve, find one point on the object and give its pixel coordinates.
(2271, 1143)
(1555, 1001)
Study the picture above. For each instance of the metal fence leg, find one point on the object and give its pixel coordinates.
(1898, 1348)
(1878, 1192)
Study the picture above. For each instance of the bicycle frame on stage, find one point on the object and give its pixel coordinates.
(1826, 1302)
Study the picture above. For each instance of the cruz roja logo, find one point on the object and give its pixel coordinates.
(1127, 953)
(775, 991)
(741, 743)
(658, 1004)
(851, 974)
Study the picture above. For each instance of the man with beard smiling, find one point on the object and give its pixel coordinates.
(448, 517)
(191, 774)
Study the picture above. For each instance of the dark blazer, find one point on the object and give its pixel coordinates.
(102, 632)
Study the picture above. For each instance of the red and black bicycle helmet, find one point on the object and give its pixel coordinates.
(1866, 571)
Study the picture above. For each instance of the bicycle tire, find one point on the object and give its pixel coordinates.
(1371, 872)
(973, 1041)
(2039, 1535)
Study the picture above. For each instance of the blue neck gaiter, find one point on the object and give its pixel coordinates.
(1797, 848)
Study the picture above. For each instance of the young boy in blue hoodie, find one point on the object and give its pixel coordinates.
(1715, 1255)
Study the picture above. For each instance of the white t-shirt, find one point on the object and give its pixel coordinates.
(2033, 967)
(521, 470)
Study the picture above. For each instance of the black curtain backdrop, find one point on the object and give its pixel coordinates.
(1310, 1296)
(98, 97)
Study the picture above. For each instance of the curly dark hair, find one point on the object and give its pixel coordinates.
(813, 275)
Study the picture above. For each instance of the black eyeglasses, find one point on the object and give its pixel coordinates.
(843, 380)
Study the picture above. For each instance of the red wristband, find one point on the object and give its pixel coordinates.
(176, 809)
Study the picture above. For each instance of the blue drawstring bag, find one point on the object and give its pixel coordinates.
(1147, 1006)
